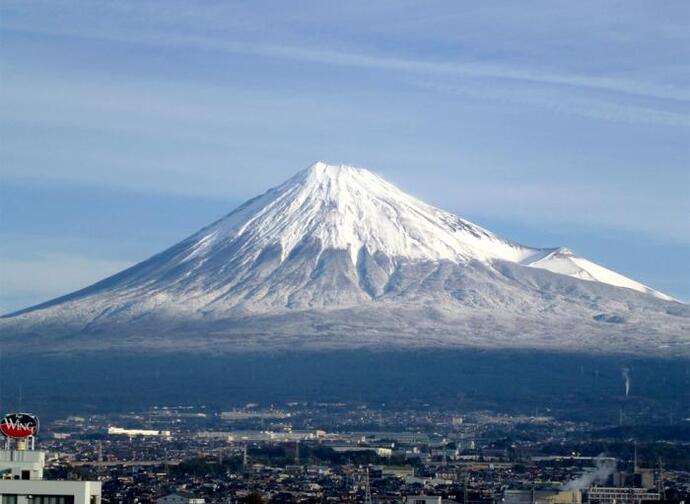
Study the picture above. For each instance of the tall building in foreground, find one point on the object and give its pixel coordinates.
(21, 470)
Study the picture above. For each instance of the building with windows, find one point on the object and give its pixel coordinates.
(542, 496)
(21, 464)
(615, 495)
(21, 482)
(180, 498)
(423, 499)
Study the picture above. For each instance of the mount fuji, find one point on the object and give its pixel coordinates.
(338, 258)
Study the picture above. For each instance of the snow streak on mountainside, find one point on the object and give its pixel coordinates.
(338, 241)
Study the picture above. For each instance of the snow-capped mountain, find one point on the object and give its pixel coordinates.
(338, 257)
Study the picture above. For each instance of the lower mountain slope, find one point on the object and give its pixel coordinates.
(331, 304)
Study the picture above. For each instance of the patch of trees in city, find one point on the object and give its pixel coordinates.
(281, 455)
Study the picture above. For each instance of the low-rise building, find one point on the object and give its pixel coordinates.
(615, 495)
(180, 498)
(423, 499)
(119, 431)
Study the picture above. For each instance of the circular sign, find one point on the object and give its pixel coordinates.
(19, 425)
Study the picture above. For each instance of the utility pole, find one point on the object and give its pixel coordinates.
(464, 491)
(660, 480)
(367, 488)
(533, 494)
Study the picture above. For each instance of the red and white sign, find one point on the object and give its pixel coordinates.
(19, 425)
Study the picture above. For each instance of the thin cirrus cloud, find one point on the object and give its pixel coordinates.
(614, 98)
(592, 107)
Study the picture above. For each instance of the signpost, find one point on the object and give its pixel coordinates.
(19, 426)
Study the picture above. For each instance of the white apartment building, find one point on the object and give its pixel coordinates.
(21, 482)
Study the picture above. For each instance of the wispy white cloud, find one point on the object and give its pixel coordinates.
(585, 105)
(468, 69)
(524, 74)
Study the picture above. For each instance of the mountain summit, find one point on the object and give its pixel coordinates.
(338, 257)
(354, 210)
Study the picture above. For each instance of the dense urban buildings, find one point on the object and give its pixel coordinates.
(344, 452)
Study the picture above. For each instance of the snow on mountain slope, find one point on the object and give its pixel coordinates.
(351, 209)
(339, 256)
(564, 262)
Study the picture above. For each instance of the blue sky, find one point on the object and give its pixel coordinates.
(125, 126)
